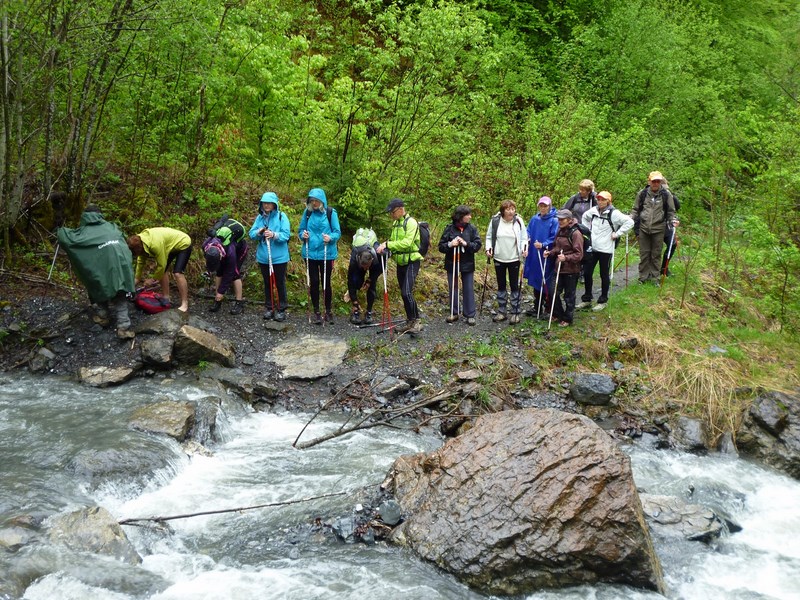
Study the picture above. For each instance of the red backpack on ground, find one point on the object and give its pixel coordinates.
(151, 302)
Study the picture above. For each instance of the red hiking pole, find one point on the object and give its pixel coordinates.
(386, 316)
(669, 252)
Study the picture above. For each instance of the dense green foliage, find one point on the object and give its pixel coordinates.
(174, 111)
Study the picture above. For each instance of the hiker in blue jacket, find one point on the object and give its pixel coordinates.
(542, 230)
(272, 230)
(319, 232)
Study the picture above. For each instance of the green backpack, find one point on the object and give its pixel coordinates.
(364, 238)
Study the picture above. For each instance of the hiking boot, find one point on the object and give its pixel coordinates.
(564, 324)
(124, 333)
(329, 318)
(100, 320)
(583, 305)
(367, 318)
(471, 321)
(238, 307)
(268, 314)
(280, 315)
(600, 306)
(216, 306)
(317, 320)
(501, 316)
(451, 318)
(412, 326)
(355, 317)
(514, 319)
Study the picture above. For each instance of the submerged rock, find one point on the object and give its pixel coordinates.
(525, 500)
(93, 530)
(672, 516)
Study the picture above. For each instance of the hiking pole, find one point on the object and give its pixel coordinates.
(308, 285)
(386, 317)
(53, 264)
(542, 261)
(553, 305)
(273, 285)
(669, 251)
(626, 261)
(485, 279)
(325, 281)
(453, 284)
(613, 250)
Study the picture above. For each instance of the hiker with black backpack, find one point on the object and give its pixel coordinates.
(607, 226)
(507, 246)
(653, 210)
(273, 230)
(225, 250)
(459, 243)
(671, 241)
(581, 202)
(364, 270)
(320, 231)
(567, 250)
(406, 246)
(540, 271)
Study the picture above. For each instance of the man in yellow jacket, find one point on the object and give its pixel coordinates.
(164, 245)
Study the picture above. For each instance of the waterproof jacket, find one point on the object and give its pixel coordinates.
(159, 243)
(603, 225)
(569, 240)
(470, 234)
(404, 240)
(652, 218)
(277, 222)
(506, 250)
(232, 258)
(541, 229)
(100, 256)
(316, 222)
(578, 205)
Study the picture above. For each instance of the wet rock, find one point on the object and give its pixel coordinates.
(93, 530)
(388, 386)
(204, 428)
(592, 388)
(93, 464)
(770, 432)
(157, 352)
(174, 419)
(672, 516)
(524, 500)
(390, 512)
(690, 434)
(105, 376)
(726, 444)
(193, 346)
(13, 538)
(344, 528)
(167, 323)
(308, 356)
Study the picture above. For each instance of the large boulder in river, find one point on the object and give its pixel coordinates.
(770, 432)
(193, 346)
(93, 530)
(527, 499)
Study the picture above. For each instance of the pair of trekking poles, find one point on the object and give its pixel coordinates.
(325, 281)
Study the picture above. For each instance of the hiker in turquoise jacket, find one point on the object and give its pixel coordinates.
(272, 229)
(319, 231)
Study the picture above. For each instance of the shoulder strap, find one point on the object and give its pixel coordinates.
(495, 226)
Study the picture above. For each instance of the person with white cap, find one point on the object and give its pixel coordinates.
(607, 226)
(539, 270)
(653, 209)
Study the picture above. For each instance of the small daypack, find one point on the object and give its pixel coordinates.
(610, 222)
(587, 238)
(151, 302)
(424, 236)
(364, 238)
(227, 230)
(328, 211)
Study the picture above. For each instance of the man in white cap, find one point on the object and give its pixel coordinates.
(653, 209)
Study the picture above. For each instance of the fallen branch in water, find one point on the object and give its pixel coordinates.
(135, 520)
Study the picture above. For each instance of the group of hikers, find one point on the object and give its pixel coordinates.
(554, 250)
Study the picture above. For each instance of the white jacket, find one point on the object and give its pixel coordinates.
(601, 227)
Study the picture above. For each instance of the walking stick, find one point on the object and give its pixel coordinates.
(53, 264)
(553, 305)
(626, 261)
(613, 250)
(485, 278)
(454, 286)
(543, 286)
(308, 285)
(273, 285)
(386, 317)
(669, 251)
(325, 280)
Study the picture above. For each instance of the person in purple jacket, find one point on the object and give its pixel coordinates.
(225, 249)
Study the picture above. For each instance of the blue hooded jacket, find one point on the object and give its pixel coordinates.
(316, 222)
(277, 222)
(541, 229)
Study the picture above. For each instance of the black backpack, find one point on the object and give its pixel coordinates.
(236, 229)
(665, 206)
(587, 238)
(328, 211)
(610, 222)
(424, 236)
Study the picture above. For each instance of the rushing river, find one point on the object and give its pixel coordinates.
(49, 427)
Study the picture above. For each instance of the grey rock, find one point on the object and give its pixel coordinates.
(167, 323)
(524, 500)
(105, 376)
(770, 432)
(690, 434)
(308, 356)
(592, 388)
(93, 530)
(390, 512)
(157, 352)
(174, 419)
(193, 346)
(672, 516)
(388, 386)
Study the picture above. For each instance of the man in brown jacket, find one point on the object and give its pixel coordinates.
(652, 210)
(568, 250)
